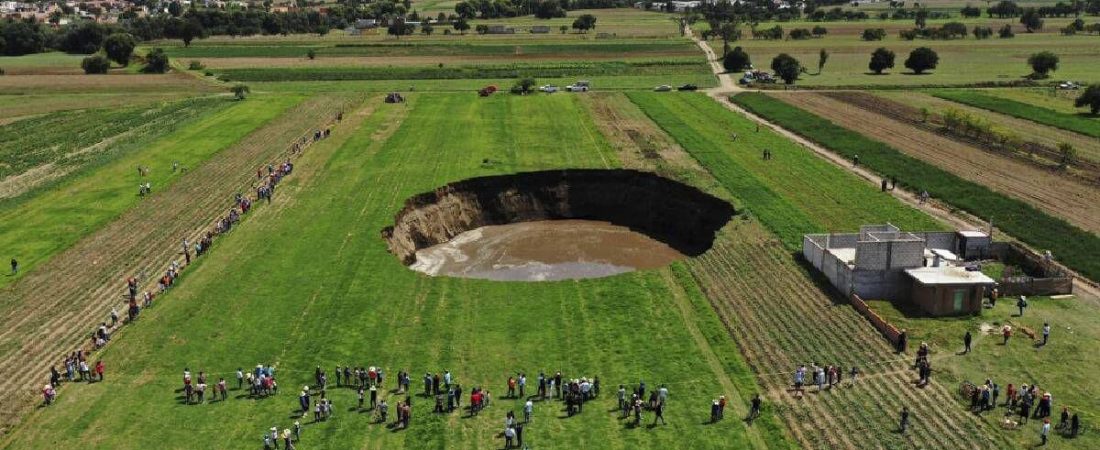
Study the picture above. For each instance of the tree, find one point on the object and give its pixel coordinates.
(563, 29)
(1005, 8)
(240, 91)
(548, 9)
(311, 54)
(585, 22)
(982, 32)
(120, 47)
(921, 18)
(525, 86)
(786, 67)
(398, 28)
(822, 57)
(922, 59)
(1089, 98)
(1043, 63)
(83, 38)
(1006, 32)
(819, 31)
(970, 11)
(427, 29)
(156, 61)
(18, 37)
(482, 29)
(727, 30)
(461, 26)
(175, 9)
(95, 65)
(465, 10)
(1031, 20)
(881, 59)
(736, 60)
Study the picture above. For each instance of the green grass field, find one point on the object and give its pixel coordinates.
(362, 306)
(1073, 331)
(35, 228)
(672, 67)
(1076, 248)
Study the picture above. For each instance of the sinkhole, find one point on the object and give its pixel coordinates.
(554, 225)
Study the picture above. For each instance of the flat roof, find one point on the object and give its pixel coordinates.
(845, 254)
(947, 275)
(973, 234)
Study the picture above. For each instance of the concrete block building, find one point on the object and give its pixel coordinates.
(883, 262)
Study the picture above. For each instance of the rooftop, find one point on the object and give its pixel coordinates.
(947, 275)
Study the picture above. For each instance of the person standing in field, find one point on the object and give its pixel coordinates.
(221, 388)
(1044, 431)
(754, 410)
(966, 341)
(1046, 333)
(904, 423)
(528, 409)
(99, 370)
(14, 267)
(659, 413)
(1021, 304)
(903, 341)
(1006, 332)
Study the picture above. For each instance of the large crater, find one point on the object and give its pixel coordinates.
(595, 212)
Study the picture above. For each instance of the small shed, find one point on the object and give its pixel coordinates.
(948, 290)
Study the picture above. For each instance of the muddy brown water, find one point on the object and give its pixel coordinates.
(545, 251)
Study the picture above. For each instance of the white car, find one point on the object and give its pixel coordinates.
(1069, 86)
(549, 89)
(577, 88)
(663, 88)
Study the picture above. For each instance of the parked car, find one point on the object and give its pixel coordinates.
(549, 89)
(688, 87)
(663, 88)
(577, 88)
(1069, 86)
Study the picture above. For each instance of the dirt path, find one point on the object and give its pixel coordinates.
(53, 310)
(1057, 195)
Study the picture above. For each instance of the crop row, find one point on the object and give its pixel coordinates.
(1071, 122)
(57, 137)
(1073, 246)
(793, 192)
(430, 49)
(551, 70)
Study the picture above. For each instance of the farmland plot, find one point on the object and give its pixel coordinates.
(1058, 195)
(310, 283)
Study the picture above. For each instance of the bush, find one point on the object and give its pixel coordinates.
(799, 34)
(240, 91)
(819, 31)
(311, 54)
(156, 61)
(1006, 32)
(195, 65)
(874, 34)
(95, 65)
(982, 32)
(1089, 98)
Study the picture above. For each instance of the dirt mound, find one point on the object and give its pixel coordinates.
(679, 215)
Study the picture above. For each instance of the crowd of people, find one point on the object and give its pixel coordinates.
(77, 365)
(823, 376)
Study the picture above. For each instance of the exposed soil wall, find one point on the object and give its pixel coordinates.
(679, 215)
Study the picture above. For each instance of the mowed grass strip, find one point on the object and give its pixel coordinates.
(34, 230)
(1074, 247)
(1079, 123)
(487, 71)
(792, 194)
(311, 284)
(442, 49)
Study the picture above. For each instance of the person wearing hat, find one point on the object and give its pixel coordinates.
(288, 443)
(275, 437)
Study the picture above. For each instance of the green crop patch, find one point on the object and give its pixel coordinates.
(1075, 247)
(1078, 123)
(794, 192)
(546, 70)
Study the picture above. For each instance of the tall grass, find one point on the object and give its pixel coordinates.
(1072, 122)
